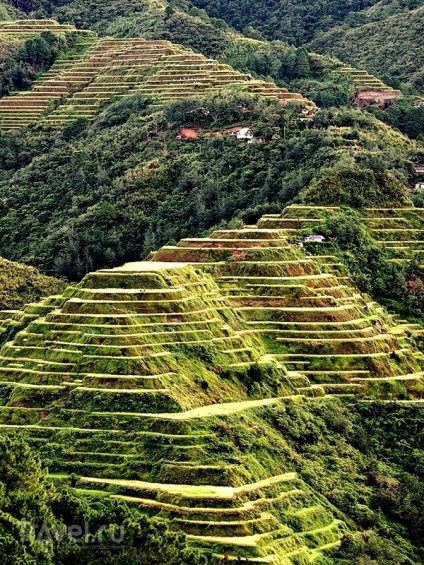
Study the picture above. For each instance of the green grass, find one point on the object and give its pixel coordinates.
(194, 445)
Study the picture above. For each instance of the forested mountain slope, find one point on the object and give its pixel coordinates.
(294, 22)
(381, 37)
(393, 47)
(103, 193)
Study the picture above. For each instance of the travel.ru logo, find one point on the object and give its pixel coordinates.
(106, 536)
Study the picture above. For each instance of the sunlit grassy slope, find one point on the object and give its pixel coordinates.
(136, 378)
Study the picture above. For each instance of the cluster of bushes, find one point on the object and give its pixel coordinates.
(34, 55)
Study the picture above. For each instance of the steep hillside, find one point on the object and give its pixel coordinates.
(381, 247)
(26, 51)
(110, 68)
(110, 191)
(401, 58)
(194, 356)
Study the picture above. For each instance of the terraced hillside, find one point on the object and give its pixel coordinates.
(111, 68)
(367, 85)
(401, 230)
(151, 356)
(313, 320)
(22, 108)
(136, 379)
(20, 30)
(363, 79)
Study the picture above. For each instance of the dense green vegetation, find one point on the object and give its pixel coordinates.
(353, 31)
(403, 116)
(399, 61)
(110, 193)
(123, 438)
(29, 500)
(294, 22)
(192, 27)
(19, 69)
(20, 284)
(366, 461)
(96, 396)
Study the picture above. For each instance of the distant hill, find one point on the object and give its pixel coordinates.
(392, 47)
(288, 20)
(20, 284)
(77, 86)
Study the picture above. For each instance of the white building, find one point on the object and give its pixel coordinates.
(245, 134)
(314, 239)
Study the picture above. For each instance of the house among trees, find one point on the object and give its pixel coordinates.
(420, 185)
(244, 134)
(418, 103)
(314, 239)
(419, 169)
(306, 115)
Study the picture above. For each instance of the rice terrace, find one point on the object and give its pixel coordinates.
(211, 284)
